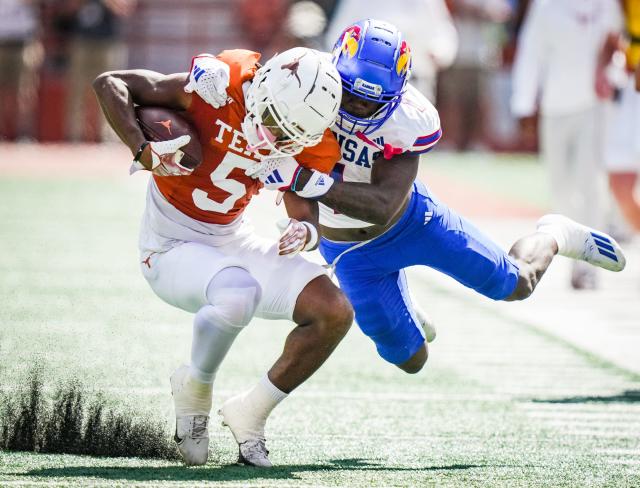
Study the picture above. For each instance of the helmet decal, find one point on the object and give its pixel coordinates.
(404, 59)
(349, 40)
(293, 66)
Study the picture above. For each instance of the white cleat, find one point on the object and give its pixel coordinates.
(248, 432)
(192, 401)
(425, 321)
(578, 241)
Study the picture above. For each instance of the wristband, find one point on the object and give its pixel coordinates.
(138, 155)
(313, 239)
(316, 187)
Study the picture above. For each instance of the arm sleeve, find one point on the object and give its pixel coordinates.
(528, 65)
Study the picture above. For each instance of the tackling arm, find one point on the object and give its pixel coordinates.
(119, 91)
(376, 202)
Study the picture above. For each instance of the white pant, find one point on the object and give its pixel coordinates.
(180, 259)
(571, 147)
(622, 135)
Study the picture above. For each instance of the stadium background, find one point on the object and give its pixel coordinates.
(541, 393)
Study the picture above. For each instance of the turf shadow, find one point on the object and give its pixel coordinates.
(628, 396)
(228, 472)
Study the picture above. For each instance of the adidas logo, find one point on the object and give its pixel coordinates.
(428, 215)
(604, 246)
(379, 141)
(320, 181)
(197, 72)
(274, 177)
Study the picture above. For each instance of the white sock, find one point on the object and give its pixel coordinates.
(263, 398)
(211, 341)
(556, 231)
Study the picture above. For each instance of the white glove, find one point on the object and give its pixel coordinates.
(166, 157)
(294, 237)
(282, 174)
(275, 173)
(209, 78)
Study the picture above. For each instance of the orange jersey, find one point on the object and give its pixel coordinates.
(218, 191)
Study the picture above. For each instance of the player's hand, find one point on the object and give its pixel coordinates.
(294, 237)
(276, 173)
(165, 158)
(209, 78)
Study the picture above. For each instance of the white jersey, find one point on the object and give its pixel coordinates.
(413, 127)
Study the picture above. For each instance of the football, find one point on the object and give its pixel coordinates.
(163, 124)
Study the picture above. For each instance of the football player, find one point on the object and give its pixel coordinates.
(199, 254)
(377, 219)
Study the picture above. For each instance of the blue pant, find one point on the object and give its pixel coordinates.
(428, 234)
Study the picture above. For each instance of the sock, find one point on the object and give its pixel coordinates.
(556, 231)
(263, 398)
(211, 341)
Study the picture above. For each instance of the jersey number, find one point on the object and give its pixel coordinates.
(219, 178)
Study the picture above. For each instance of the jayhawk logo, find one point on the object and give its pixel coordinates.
(349, 40)
(404, 59)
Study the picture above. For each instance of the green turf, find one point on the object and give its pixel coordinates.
(500, 404)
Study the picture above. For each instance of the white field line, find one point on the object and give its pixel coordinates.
(619, 452)
(629, 462)
(629, 417)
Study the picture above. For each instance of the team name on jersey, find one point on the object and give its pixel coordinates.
(231, 139)
(359, 153)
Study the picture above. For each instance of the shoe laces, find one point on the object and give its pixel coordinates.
(199, 427)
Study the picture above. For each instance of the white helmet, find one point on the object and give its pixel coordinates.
(291, 101)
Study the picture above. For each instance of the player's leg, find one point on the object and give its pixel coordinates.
(622, 153)
(224, 297)
(322, 314)
(557, 234)
(623, 188)
(383, 305)
(451, 244)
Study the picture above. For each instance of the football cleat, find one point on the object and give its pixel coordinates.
(192, 401)
(578, 241)
(425, 321)
(248, 432)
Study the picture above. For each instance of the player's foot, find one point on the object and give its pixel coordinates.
(583, 276)
(578, 241)
(425, 320)
(248, 432)
(192, 401)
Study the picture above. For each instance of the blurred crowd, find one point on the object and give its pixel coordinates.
(50, 50)
(505, 75)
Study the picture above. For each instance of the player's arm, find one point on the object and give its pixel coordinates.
(376, 202)
(300, 231)
(119, 91)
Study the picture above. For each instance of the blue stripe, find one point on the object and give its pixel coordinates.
(197, 72)
(602, 238)
(277, 176)
(423, 151)
(604, 245)
(423, 141)
(608, 254)
(270, 179)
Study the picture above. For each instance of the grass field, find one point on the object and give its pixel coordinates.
(500, 404)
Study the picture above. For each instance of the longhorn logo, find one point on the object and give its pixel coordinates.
(166, 124)
(293, 66)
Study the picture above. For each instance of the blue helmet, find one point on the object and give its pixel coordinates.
(374, 63)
